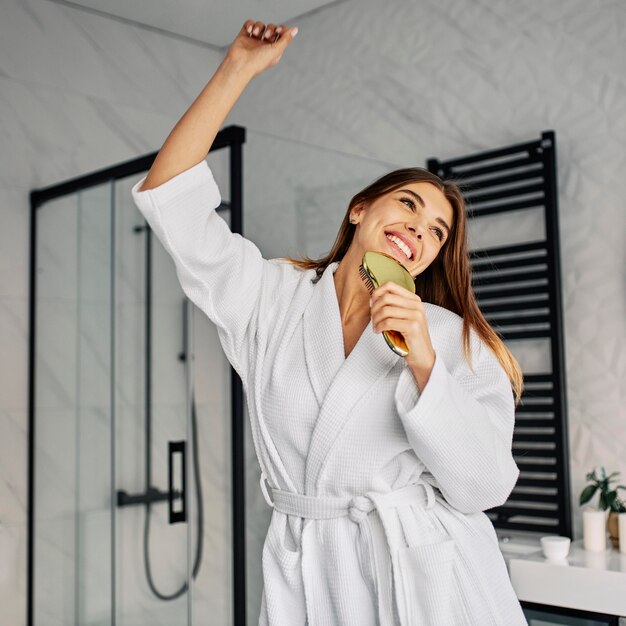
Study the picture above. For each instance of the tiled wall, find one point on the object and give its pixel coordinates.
(393, 82)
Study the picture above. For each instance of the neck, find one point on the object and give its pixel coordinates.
(352, 293)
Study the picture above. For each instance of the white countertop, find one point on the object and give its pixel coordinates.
(587, 581)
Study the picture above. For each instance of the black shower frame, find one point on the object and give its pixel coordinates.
(232, 137)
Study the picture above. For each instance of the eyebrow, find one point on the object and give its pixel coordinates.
(421, 201)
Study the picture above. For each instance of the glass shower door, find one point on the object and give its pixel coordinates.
(131, 463)
(112, 374)
(72, 539)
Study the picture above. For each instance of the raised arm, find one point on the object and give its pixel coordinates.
(220, 271)
(255, 48)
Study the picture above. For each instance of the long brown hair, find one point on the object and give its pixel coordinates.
(447, 281)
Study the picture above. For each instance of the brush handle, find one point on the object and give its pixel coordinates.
(395, 340)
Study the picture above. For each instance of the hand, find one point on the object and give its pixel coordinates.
(396, 308)
(257, 52)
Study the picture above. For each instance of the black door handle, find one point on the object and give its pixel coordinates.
(177, 447)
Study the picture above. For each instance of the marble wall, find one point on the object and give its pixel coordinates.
(388, 83)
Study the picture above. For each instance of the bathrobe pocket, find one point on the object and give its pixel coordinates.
(282, 577)
(425, 589)
(280, 543)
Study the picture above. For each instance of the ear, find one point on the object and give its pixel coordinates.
(357, 210)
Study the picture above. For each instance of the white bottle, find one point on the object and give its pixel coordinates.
(594, 529)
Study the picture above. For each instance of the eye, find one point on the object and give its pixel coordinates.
(410, 202)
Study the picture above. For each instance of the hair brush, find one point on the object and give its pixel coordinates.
(378, 268)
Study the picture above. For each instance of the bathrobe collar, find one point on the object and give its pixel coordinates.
(338, 383)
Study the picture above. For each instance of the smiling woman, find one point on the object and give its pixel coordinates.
(411, 448)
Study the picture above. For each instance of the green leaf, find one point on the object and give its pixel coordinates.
(588, 493)
(603, 503)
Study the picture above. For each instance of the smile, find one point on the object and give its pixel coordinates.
(400, 245)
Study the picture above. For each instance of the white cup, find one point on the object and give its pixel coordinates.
(621, 526)
(594, 530)
(555, 547)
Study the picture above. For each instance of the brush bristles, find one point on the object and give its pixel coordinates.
(366, 279)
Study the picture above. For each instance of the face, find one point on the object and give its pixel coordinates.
(400, 214)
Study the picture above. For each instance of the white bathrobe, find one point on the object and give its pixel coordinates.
(378, 489)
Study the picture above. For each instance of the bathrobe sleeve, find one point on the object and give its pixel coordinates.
(220, 271)
(461, 428)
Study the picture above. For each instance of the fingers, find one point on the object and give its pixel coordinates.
(381, 305)
(406, 326)
(271, 32)
(387, 303)
(391, 293)
(393, 312)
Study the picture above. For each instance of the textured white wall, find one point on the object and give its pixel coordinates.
(397, 82)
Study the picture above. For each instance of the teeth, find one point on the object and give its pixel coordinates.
(401, 245)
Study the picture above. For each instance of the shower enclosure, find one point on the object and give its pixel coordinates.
(144, 498)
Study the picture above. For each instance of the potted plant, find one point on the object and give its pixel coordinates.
(609, 499)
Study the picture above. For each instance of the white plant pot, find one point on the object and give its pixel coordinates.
(594, 529)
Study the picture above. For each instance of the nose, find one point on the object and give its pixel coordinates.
(417, 230)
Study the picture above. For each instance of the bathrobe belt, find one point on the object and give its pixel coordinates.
(356, 508)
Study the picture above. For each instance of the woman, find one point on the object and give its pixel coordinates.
(380, 466)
